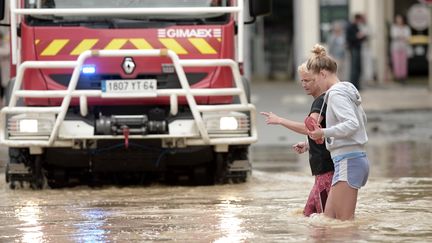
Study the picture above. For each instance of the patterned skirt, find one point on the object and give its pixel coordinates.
(319, 193)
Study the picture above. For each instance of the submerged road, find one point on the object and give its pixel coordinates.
(394, 206)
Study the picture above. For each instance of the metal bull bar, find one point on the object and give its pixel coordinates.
(71, 92)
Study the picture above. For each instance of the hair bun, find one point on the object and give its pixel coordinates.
(319, 50)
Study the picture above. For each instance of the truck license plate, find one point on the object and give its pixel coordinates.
(129, 87)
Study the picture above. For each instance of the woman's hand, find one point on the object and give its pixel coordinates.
(316, 134)
(301, 147)
(271, 118)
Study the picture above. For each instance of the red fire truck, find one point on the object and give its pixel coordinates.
(128, 90)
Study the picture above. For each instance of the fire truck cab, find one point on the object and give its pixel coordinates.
(128, 90)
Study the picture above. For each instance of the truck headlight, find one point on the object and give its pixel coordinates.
(31, 124)
(226, 122)
(28, 126)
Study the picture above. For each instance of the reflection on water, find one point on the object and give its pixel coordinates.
(230, 222)
(394, 206)
(401, 159)
(91, 229)
(29, 215)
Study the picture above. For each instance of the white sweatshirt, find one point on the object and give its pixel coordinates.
(346, 120)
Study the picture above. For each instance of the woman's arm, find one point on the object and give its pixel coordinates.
(274, 119)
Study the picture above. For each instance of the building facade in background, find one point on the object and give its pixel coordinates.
(279, 43)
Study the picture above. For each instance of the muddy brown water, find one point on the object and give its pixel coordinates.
(394, 206)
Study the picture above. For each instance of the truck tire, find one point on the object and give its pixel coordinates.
(57, 178)
(24, 168)
(223, 164)
(220, 168)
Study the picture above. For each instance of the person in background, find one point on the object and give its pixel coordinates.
(319, 157)
(367, 72)
(355, 38)
(400, 34)
(345, 135)
(337, 45)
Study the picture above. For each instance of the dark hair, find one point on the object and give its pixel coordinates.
(402, 17)
(321, 61)
(358, 16)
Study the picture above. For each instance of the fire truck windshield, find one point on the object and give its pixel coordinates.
(107, 4)
(123, 3)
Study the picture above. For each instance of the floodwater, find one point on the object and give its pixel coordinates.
(394, 206)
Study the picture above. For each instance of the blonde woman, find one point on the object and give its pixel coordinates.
(345, 135)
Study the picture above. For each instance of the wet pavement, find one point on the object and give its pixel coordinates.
(394, 206)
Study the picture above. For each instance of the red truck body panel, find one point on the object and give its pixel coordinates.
(60, 43)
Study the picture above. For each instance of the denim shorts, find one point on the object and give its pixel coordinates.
(352, 168)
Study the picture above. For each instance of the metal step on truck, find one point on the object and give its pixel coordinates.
(127, 91)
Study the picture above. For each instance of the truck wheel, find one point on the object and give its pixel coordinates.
(220, 169)
(38, 179)
(23, 167)
(201, 176)
(225, 167)
(7, 176)
(57, 178)
(17, 170)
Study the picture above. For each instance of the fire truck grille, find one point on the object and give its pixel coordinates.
(165, 81)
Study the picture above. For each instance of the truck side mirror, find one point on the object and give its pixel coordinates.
(260, 7)
(2, 9)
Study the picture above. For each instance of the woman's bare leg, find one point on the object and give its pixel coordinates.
(329, 208)
(341, 202)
